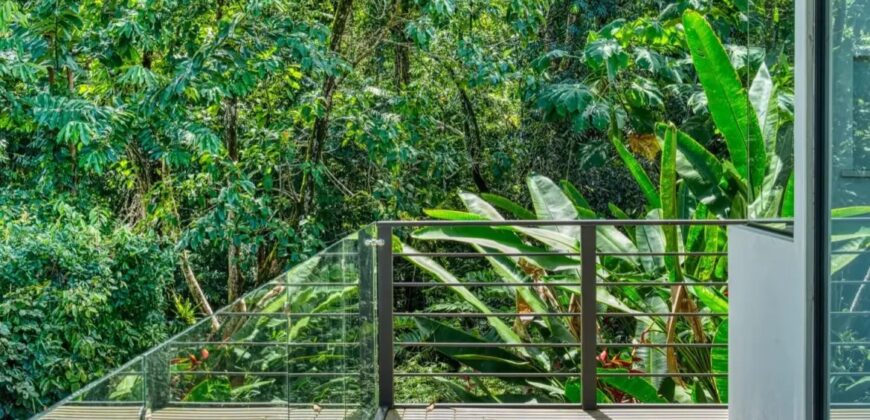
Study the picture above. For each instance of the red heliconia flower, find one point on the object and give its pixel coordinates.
(203, 354)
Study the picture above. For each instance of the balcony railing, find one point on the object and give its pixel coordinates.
(484, 313)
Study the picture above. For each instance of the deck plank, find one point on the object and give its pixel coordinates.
(82, 412)
(559, 414)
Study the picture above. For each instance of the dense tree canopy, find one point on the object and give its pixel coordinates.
(180, 152)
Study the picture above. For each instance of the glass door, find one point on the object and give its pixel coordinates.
(847, 207)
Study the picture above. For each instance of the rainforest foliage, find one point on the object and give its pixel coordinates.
(160, 157)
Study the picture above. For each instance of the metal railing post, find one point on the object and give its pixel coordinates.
(366, 263)
(385, 315)
(589, 305)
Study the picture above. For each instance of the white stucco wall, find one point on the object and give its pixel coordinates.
(767, 332)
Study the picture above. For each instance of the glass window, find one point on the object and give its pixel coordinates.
(848, 202)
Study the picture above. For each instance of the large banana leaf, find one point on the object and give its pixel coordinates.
(483, 359)
(668, 185)
(702, 172)
(576, 197)
(503, 203)
(651, 240)
(480, 207)
(719, 361)
(727, 100)
(443, 275)
(551, 204)
(483, 209)
(499, 239)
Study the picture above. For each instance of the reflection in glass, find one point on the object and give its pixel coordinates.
(848, 302)
(296, 345)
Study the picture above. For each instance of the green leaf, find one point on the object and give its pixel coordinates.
(210, 390)
(637, 171)
(702, 172)
(606, 54)
(719, 361)
(636, 387)
(443, 275)
(551, 238)
(500, 239)
(483, 359)
(477, 205)
(551, 204)
(573, 391)
(668, 185)
(509, 206)
(452, 215)
(728, 102)
(575, 195)
(565, 100)
(854, 211)
(788, 199)
(651, 240)
(617, 212)
(711, 298)
(763, 97)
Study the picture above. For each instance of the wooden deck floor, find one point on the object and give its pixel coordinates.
(560, 414)
(282, 413)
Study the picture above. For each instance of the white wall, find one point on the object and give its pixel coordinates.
(767, 332)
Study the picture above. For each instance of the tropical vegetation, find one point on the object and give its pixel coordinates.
(160, 157)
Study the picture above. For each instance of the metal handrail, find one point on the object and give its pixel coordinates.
(589, 283)
(376, 288)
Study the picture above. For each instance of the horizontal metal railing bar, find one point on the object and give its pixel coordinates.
(104, 403)
(551, 374)
(849, 282)
(482, 345)
(320, 284)
(663, 283)
(850, 405)
(664, 375)
(293, 314)
(663, 314)
(553, 314)
(663, 345)
(478, 314)
(662, 254)
(485, 254)
(268, 374)
(258, 404)
(554, 254)
(488, 374)
(849, 374)
(563, 284)
(582, 222)
(850, 343)
(553, 345)
(480, 284)
(627, 406)
(856, 313)
(259, 343)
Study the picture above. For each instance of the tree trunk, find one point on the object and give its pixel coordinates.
(320, 129)
(473, 140)
(235, 281)
(402, 60)
(184, 258)
(196, 290)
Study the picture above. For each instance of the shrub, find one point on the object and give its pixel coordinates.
(79, 295)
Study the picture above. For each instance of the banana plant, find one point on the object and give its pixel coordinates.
(554, 202)
(755, 180)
